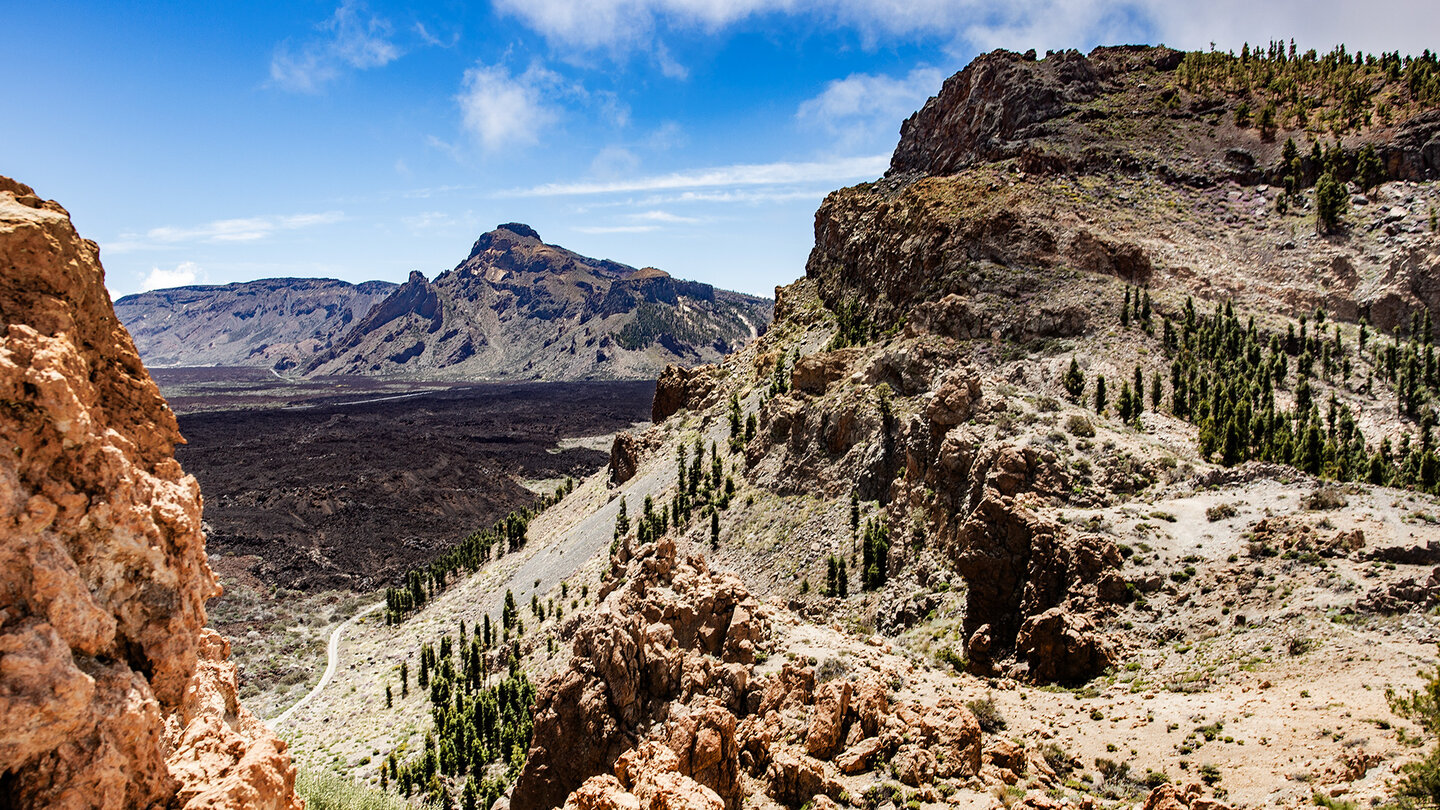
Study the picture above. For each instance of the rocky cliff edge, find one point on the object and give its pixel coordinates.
(112, 691)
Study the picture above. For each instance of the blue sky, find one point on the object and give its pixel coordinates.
(209, 143)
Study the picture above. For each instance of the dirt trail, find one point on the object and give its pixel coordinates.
(332, 659)
(343, 719)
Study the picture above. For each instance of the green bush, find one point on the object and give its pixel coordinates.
(323, 790)
(1421, 785)
(985, 710)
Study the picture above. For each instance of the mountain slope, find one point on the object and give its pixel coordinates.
(519, 308)
(1049, 594)
(277, 323)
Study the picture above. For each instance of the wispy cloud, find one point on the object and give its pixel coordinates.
(624, 24)
(159, 278)
(248, 229)
(662, 216)
(351, 38)
(599, 229)
(862, 108)
(641, 26)
(501, 109)
(744, 174)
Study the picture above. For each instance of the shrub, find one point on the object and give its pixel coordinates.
(1058, 759)
(323, 790)
(1078, 425)
(830, 669)
(1220, 511)
(985, 710)
(1421, 785)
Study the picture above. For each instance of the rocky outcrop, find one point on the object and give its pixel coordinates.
(624, 458)
(681, 387)
(1405, 596)
(989, 110)
(660, 706)
(112, 693)
(1126, 261)
(1021, 569)
(673, 633)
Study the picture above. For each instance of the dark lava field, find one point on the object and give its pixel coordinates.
(347, 484)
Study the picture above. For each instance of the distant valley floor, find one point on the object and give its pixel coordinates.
(320, 491)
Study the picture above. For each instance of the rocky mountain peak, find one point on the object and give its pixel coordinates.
(507, 237)
(519, 229)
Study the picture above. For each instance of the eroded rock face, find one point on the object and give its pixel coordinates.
(680, 387)
(673, 633)
(984, 111)
(112, 693)
(624, 458)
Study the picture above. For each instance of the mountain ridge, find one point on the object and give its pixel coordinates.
(514, 308)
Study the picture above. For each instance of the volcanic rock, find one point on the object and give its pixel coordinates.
(112, 692)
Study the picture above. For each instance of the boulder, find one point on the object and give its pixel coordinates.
(795, 778)
(953, 735)
(955, 400)
(914, 766)
(705, 745)
(832, 703)
(858, 757)
(624, 458)
(1063, 647)
(602, 792)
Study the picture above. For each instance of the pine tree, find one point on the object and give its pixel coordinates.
(389, 699)
(1369, 171)
(1330, 202)
(843, 579)
(1074, 381)
(1156, 394)
(1138, 406)
(714, 529)
(832, 584)
(404, 679)
(1125, 309)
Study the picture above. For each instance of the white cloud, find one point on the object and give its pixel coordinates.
(614, 161)
(159, 278)
(862, 109)
(430, 223)
(661, 216)
(628, 23)
(970, 25)
(351, 38)
(744, 174)
(600, 229)
(247, 229)
(502, 110)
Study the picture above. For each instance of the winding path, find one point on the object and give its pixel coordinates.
(333, 660)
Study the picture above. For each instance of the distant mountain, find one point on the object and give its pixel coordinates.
(517, 307)
(279, 323)
(514, 308)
